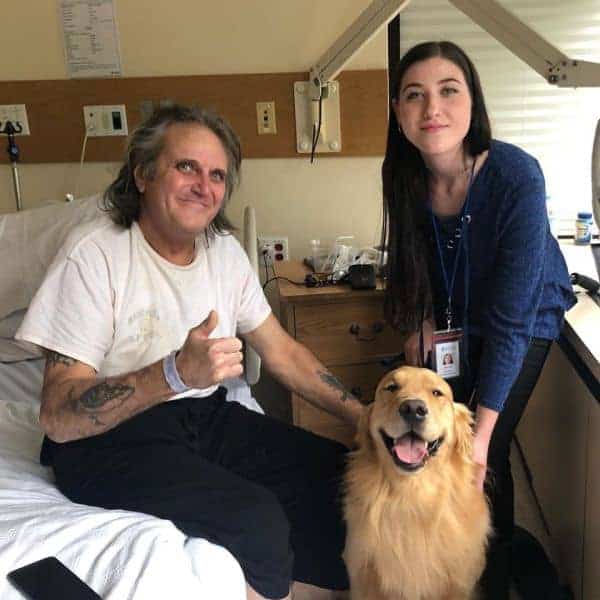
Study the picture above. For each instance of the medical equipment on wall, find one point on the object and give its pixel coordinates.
(317, 100)
(13, 156)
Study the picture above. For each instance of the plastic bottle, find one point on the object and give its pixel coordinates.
(583, 228)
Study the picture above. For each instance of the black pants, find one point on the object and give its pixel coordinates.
(499, 486)
(265, 490)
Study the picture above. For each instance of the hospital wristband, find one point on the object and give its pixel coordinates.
(172, 377)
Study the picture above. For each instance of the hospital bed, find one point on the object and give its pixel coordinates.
(120, 554)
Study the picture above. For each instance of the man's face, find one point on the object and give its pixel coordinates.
(188, 188)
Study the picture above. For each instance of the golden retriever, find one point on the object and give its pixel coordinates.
(417, 523)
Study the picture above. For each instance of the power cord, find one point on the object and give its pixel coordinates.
(264, 255)
(301, 283)
(81, 161)
(311, 280)
(317, 128)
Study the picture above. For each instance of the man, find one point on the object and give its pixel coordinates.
(139, 315)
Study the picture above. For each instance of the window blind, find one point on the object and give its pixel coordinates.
(556, 125)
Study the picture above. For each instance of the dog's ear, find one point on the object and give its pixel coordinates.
(463, 427)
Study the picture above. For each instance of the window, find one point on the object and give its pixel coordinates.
(556, 125)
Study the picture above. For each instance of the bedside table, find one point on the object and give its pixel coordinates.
(347, 331)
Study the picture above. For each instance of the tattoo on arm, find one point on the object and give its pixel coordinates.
(335, 383)
(97, 396)
(93, 401)
(55, 358)
(96, 421)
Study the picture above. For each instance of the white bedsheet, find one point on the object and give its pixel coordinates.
(122, 555)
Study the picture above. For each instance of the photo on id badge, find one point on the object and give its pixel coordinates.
(446, 354)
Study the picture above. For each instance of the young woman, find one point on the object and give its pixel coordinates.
(472, 267)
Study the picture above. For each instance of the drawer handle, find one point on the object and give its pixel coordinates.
(375, 328)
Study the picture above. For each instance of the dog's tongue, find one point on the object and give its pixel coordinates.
(410, 449)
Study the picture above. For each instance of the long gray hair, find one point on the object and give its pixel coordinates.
(122, 199)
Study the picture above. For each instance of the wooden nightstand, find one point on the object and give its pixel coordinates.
(346, 330)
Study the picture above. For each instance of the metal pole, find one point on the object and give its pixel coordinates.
(13, 156)
(15, 173)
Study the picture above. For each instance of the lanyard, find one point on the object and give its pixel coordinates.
(465, 219)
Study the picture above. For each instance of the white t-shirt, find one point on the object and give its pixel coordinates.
(110, 301)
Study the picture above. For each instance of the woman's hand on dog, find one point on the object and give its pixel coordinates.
(480, 475)
(480, 449)
(485, 421)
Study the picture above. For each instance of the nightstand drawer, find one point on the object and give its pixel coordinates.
(361, 380)
(320, 422)
(346, 333)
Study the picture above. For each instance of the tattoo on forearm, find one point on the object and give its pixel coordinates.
(55, 358)
(96, 397)
(93, 402)
(335, 383)
(96, 421)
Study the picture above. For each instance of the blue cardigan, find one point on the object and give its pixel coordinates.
(517, 280)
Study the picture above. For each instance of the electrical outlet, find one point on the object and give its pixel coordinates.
(265, 118)
(272, 249)
(105, 120)
(17, 115)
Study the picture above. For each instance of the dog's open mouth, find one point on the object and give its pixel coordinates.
(410, 451)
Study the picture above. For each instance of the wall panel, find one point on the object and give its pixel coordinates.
(55, 111)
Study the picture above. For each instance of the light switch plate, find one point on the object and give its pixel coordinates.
(105, 120)
(265, 118)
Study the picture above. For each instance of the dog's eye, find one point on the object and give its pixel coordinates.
(437, 393)
(391, 387)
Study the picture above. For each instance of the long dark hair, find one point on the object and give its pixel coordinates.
(408, 296)
(122, 199)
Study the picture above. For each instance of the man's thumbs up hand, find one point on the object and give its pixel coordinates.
(204, 361)
(208, 325)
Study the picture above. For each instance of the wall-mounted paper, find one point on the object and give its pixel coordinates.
(91, 40)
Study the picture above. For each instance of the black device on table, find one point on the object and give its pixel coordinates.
(362, 277)
(587, 283)
(49, 579)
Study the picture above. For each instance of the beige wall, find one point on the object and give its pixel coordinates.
(292, 197)
(200, 37)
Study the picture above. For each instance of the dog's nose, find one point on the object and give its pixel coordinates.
(413, 411)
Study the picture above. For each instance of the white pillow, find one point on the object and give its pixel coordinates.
(10, 324)
(29, 240)
(12, 350)
(17, 351)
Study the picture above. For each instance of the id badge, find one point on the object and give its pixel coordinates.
(447, 352)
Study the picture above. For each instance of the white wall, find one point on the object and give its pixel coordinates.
(293, 198)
